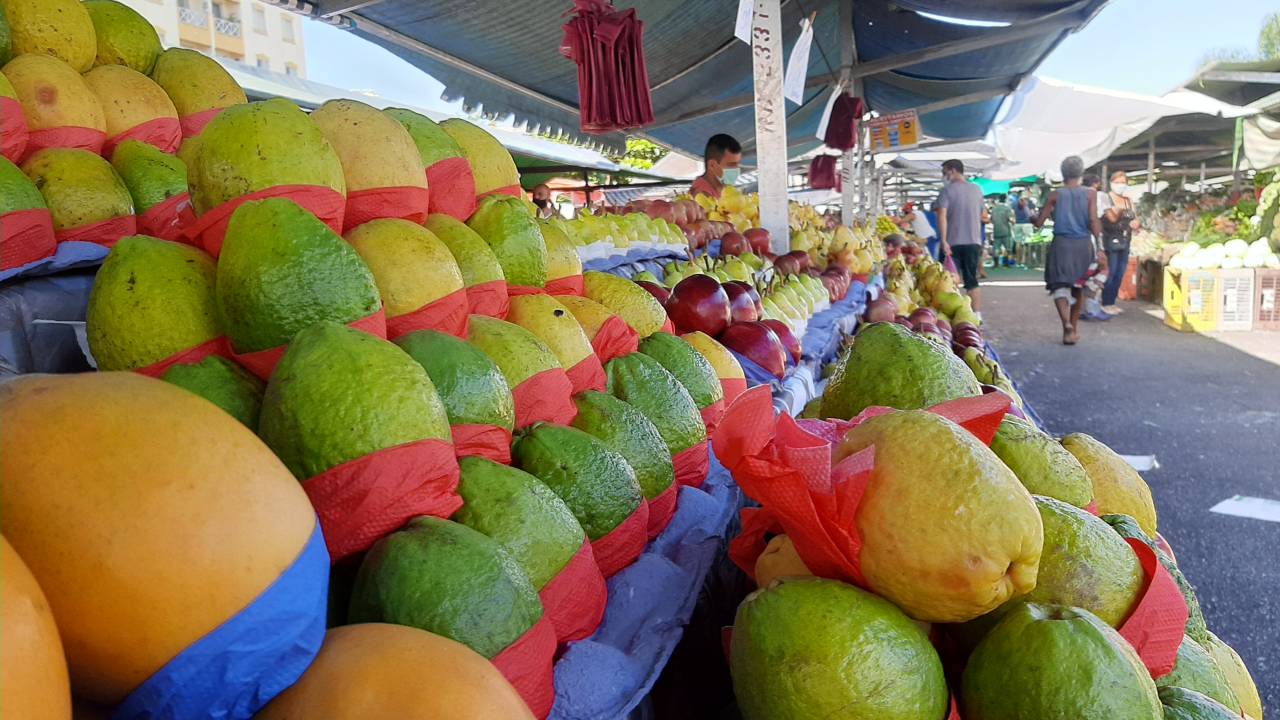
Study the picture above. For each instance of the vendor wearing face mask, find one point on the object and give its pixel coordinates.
(542, 198)
(1118, 223)
(722, 158)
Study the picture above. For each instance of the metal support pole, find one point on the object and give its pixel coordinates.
(848, 56)
(1201, 185)
(1151, 165)
(1106, 176)
(771, 121)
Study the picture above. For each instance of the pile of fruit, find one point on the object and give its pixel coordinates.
(620, 230)
(1231, 255)
(349, 381)
(974, 567)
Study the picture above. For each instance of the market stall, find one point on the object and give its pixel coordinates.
(370, 438)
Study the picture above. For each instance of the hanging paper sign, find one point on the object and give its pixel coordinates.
(895, 131)
(798, 64)
(742, 28)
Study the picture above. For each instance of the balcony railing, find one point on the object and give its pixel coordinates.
(193, 17)
(230, 28)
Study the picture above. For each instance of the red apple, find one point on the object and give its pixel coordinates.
(661, 210)
(923, 315)
(787, 337)
(758, 343)
(759, 239)
(786, 264)
(680, 214)
(733, 243)
(655, 290)
(802, 258)
(742, 308)
(699, 303)
(882, 309)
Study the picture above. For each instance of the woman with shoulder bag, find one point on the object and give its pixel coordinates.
(1118, 223)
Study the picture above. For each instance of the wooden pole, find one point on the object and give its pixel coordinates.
(771, 121)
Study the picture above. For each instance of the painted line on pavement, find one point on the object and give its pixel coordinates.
(1249, 507)
(1142, 463)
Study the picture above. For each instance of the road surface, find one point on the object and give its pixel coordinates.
(1207, 408)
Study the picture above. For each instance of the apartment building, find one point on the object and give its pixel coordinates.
(247, 31)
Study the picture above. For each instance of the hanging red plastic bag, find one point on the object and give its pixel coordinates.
(574, 600)
(614, 339)
(324, 202)
(453, 188)
(588, 374)
(489, 298)
(568, 285)
(263, 362)
(13, 130)
(447, 314)
(190, 356)
(165, 219)
(545, 397)
(363, 500)
(26, 236)
(165, 133)
(487, 441)
(404, 203)
(79, 138)
(823, 173)
(613, 80)
(1156, 626)
(527, 664)
(104, 232)
(842, 126)
(662, 508)
(622, 545)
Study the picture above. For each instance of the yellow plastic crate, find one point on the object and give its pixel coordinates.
(1192, 301)
(1171, 291)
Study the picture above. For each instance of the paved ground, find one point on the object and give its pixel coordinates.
(1207, 407)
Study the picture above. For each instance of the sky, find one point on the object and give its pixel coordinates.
(1154, 46)
(1140, 46)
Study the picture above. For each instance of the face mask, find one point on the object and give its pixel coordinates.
(1119, 188)
(730, 176)
(542, 203)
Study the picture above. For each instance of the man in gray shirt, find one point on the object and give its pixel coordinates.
(960, 226)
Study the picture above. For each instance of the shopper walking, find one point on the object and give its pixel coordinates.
(1002, 217)
(1118, 223)
(960, 212)
(919, 225)
(1074, 209)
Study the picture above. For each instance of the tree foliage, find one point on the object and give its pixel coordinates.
(640, 154)
(1269, 37)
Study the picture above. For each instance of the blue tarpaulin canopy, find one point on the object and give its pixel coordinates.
(504, 58)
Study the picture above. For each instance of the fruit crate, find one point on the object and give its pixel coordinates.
(1236, 296)
(1266, 297)
(1191, 301)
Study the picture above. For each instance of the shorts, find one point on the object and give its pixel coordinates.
(968, 258)
(1003, 244)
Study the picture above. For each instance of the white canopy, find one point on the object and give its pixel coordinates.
(1047, 120)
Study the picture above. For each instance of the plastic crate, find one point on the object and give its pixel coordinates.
(1235, 291)
(1266, 295)
(1171, 294)
(1191, 300)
